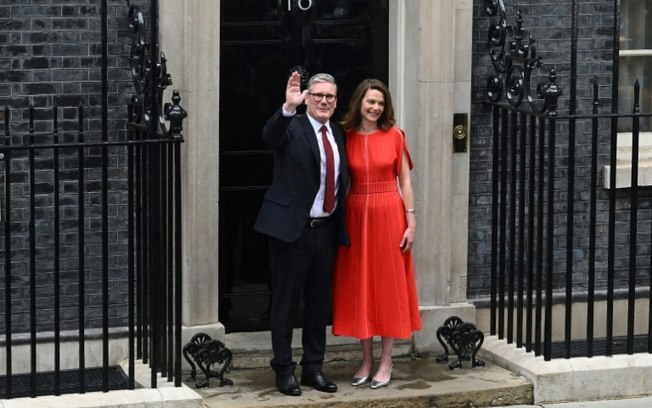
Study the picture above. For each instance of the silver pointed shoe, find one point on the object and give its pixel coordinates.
(379, 384)
(358, 381)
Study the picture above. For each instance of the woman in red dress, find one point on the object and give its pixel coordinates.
(375, 286)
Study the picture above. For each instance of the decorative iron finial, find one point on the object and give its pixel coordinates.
(550, 92)
(175, 114)
(142, 62)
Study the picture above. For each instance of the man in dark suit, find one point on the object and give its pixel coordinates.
(302, 214)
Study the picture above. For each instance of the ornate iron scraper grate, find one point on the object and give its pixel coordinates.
(464, 339)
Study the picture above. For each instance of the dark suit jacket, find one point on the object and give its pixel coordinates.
(286, 208)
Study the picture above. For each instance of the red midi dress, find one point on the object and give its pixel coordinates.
(374, 285)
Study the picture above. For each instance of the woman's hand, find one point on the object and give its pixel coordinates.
(407, 242)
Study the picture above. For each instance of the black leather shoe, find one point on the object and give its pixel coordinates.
(318, 381)
(287, 384)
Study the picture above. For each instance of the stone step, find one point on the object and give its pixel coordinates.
(416, 382)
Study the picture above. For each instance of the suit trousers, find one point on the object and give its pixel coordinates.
(305, 265)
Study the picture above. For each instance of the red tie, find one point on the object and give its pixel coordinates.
(329, 193)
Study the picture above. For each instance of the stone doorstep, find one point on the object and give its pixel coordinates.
(419, 382)
(416, 382)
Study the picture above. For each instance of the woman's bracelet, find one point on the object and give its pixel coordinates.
(409, 210)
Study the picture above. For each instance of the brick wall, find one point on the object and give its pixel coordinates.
(549, 22)
(50, 55)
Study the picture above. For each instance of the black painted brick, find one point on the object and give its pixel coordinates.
(50, 55)
(549, 23)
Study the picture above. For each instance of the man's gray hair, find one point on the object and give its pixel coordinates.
(321, 77)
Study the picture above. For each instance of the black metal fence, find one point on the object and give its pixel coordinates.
(551, 173)
(104, 228)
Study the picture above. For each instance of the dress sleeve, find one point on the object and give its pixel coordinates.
(403, 148)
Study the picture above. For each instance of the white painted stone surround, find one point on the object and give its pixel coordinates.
(576, 379)
(192, 36)
(430, 80)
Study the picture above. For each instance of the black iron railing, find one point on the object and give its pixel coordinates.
(547, 176)
(91, 231)
(146, 246)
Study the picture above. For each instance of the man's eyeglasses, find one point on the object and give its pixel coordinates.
(317, 97)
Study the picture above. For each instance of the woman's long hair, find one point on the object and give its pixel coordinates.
(352, 118)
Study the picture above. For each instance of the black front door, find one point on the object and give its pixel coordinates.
(260, 41)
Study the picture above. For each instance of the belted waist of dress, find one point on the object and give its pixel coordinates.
(371, 188)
